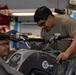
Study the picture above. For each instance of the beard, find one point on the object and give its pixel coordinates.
(47, 29)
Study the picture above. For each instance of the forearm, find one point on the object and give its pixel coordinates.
(72, 48)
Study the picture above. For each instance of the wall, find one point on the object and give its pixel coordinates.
(28, 4)
(33, 4)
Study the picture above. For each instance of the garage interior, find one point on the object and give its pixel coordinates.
(18, 15)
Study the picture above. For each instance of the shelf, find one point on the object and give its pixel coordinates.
(28, 23)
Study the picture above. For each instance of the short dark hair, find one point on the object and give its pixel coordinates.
(42, 13)
(3, 36)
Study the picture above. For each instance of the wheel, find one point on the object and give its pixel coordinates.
(38, 72)
(70, 69)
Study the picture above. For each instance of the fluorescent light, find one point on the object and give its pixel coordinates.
(22, 14)
(27, 14)
(54, 13)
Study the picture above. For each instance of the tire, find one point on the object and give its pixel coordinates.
(38, 72)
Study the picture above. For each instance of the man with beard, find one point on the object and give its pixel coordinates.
(63, 24)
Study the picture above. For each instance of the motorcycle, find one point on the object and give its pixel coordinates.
(36, 60)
